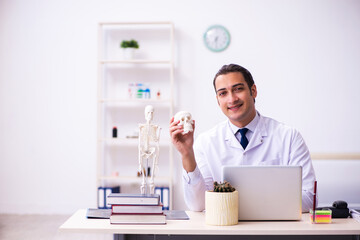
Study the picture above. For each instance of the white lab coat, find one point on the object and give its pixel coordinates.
(272, 143)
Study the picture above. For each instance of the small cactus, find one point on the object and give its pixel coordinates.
(223, 187)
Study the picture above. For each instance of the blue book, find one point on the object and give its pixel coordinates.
(133, 199)
(164, 196)
(103, 192)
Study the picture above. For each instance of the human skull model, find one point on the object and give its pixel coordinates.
(185, 120)
(149, 112)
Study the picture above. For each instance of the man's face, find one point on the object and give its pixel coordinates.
(235, 98)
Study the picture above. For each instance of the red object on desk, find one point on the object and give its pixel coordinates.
(314, 200)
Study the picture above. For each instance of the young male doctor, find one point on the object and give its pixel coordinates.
(246, 138)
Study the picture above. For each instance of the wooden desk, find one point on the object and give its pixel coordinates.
(195, 227)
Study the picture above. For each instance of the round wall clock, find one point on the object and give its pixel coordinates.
(216, 38)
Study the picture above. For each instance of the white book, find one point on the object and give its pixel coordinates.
(137, 209)
(133, 199)
(101, 198)
(355, 213)
(138, 219)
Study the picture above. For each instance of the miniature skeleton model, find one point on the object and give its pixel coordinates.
(149, 136)
(185, 120)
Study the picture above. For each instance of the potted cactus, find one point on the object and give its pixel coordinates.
(221, 205)
(129, 47)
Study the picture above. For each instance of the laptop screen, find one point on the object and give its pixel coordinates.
(266, 192)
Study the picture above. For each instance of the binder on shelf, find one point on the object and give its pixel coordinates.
(103, 192)
(164, 193)
(166, 196)
(101, 198)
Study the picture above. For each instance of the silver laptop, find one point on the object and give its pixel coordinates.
(266, 192)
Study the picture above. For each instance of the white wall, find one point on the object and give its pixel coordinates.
(338, 180)
(304, 56)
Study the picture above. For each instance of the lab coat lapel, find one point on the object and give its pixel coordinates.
(230, 138)
(258, 136)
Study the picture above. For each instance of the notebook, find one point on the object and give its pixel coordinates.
(266, 192)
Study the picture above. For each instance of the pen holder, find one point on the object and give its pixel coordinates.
(321, 216)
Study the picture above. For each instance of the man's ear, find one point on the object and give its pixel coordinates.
(253, 91)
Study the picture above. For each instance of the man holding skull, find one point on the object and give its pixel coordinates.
(246, 138)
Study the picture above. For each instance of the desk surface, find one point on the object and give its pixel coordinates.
(196, 226)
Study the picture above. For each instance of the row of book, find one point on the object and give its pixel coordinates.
(136, 209)
(103, 192)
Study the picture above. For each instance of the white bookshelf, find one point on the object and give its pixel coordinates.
(139, 61)
(117, 158)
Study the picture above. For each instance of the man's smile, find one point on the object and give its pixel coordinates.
(235, 107)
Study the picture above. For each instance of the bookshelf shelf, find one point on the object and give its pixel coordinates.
(140, 102)
(132, 179)
(136, 61)
(167, 23)
(130, 142)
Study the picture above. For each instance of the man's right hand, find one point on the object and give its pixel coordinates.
(184, 144)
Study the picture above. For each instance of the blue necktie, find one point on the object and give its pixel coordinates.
(243, 141)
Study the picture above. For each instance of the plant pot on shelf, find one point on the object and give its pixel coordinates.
(128, 53)
(221, 208)
(129, 47)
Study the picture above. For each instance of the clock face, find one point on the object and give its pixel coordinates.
(217, 38)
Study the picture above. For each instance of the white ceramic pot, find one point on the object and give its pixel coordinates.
(129, 53)
(221, 208)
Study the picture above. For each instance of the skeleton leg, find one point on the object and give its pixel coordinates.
(143, 186)
(152, 185)
(143, 169)
(143, 183)
(155, 156)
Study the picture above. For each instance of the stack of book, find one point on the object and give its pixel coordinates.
(136, 209)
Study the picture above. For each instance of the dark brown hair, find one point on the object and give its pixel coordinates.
(235, 68)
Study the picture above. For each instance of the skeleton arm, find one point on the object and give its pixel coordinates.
(157, 149)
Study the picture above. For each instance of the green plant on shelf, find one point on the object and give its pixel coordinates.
(129, 44)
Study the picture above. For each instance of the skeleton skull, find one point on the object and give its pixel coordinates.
(149, 112)
(185, 120)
